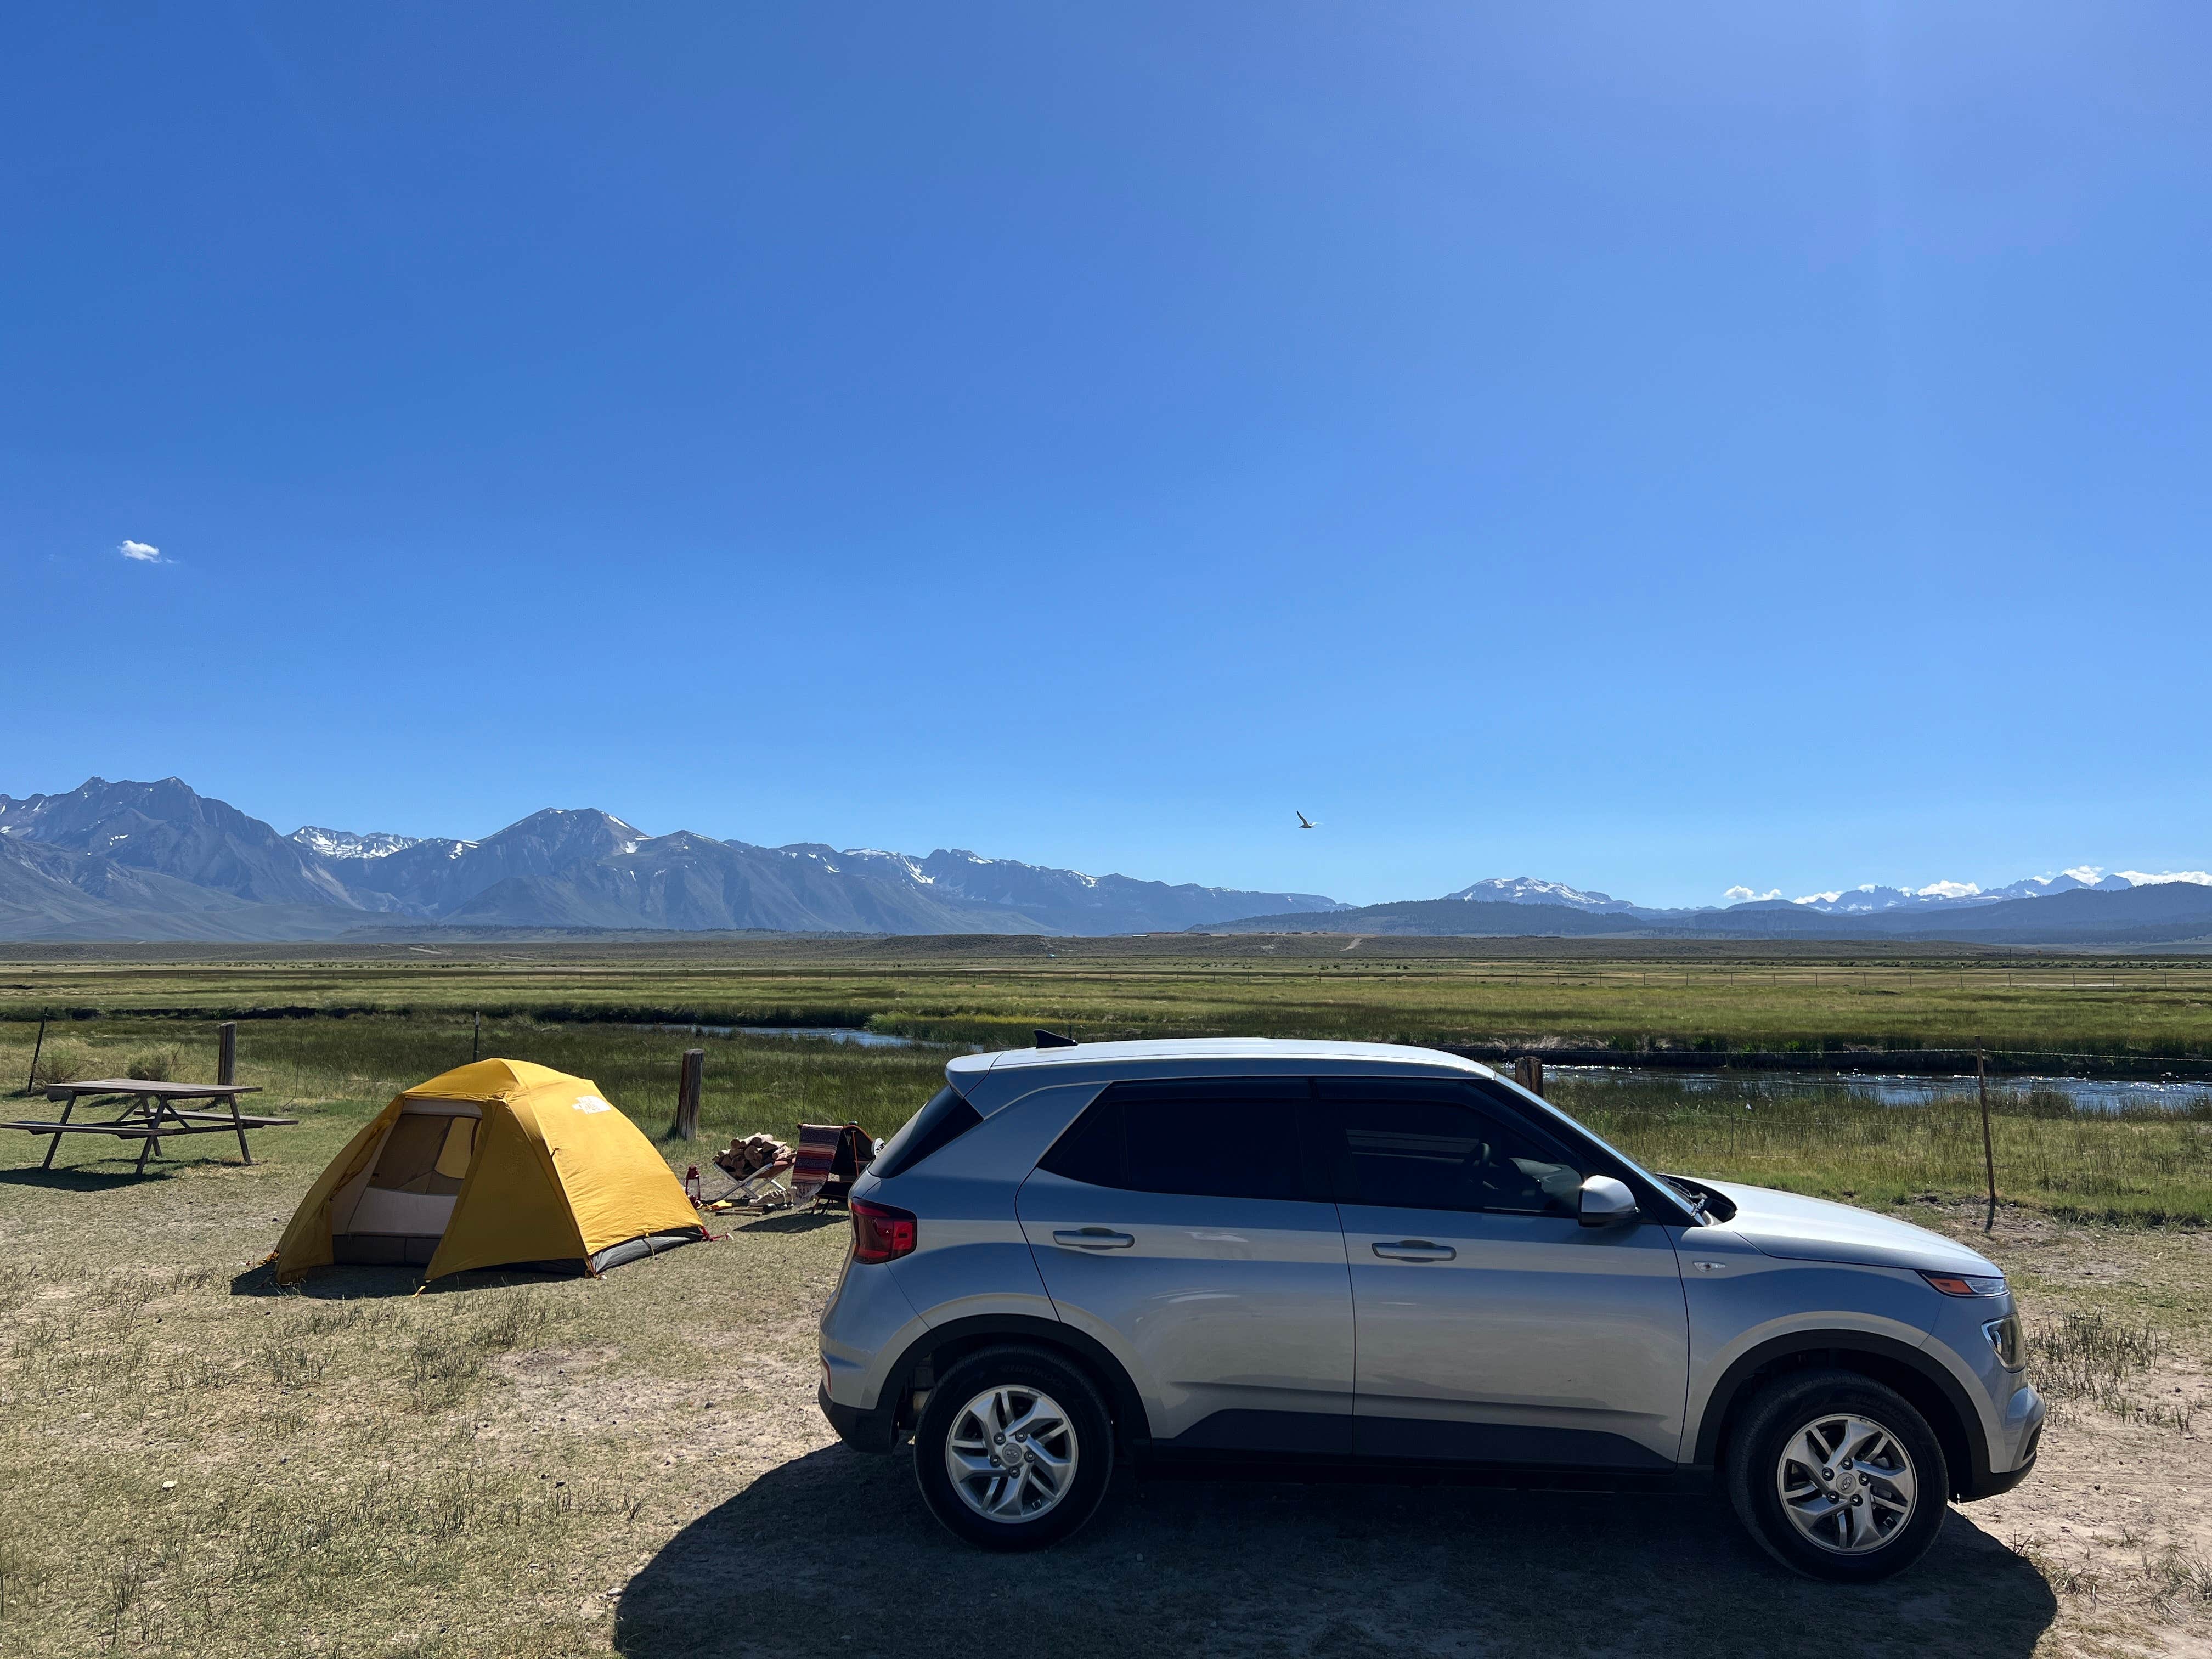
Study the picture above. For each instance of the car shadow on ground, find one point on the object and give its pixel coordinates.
(833, 1553)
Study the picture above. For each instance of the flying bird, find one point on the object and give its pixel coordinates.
(1305, 823)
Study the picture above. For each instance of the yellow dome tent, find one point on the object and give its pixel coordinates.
(497, 1164)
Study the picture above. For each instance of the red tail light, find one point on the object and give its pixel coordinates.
(881, 1233)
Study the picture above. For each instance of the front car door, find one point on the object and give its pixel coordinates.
(1175, 1222)
(1491, 1326)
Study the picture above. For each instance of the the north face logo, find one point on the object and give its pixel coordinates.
(592, 1104)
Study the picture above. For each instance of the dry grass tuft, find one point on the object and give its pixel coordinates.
(60, 1060)
(2089, 1355)
(447, 1358)
(152, 1065)
(2098, 1359)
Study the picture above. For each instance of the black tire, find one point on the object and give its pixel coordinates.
(1774, 1417)
(1018, 1368)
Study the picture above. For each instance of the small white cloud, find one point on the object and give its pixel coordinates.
(2145, 878)
(1947, 890)
(1744, 895)
(144, 552)
(1821, 899)
(2088, 874)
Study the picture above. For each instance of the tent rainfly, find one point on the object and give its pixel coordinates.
(494, 1164)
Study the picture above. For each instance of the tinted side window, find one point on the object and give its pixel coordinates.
(939, 1124)
(1222, 1140)
(1422, 1146)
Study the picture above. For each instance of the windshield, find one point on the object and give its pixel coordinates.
(1713, 1207)
(1691, 1195)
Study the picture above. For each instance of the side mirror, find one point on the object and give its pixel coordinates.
(1606, 1200)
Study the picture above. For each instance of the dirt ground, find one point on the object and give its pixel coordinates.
(2107, 1550)
(195, 1463)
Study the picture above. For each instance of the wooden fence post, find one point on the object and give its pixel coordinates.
(1529, 1072)
(31, 1084)
(476, 1042)
(226, 1052)
(1989, 1151)
(688, 1092)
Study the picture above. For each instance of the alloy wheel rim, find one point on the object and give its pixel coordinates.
(1846, 1483)
(1011, 1455)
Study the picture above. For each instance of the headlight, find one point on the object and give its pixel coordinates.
(1967, 1283)
(2004, 1336)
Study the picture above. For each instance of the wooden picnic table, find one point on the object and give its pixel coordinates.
(152, 1115)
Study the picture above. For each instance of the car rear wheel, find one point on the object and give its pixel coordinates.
(1838, 1477)
(1014, 1448)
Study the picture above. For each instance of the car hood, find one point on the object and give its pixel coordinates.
(1801, 1229)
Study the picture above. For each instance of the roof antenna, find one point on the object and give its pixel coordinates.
(1052, 1039)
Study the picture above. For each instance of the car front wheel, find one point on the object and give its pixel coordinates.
(1014, 1448)
(1838, 1477)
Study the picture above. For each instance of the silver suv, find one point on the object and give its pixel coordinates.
(1317, 1252)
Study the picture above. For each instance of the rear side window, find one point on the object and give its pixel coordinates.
(1220, 1140)
(935, 1126)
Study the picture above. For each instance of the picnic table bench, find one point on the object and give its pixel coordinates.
(152, 1115)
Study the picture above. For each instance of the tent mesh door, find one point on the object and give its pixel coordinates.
(426, 1154)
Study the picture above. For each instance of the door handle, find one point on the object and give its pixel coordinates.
(1415, 1249)
(1092, 1238)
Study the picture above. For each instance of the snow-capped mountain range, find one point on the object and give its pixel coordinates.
(1871, 896)
(1528, 890)
(1863, 900)
(158, 860)
(342, 844)
(2077, 908)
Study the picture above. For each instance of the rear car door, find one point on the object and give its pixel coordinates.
(1177, 1223)
(1492, 1325)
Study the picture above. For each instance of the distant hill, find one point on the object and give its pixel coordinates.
(160, 861)
(2167, 913)
(2162, 914)
(1447, 918)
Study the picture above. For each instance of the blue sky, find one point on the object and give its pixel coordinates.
(1655, 448)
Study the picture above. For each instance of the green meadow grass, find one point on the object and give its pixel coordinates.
(351, 1067)
(2138, 1169)
(992, 991)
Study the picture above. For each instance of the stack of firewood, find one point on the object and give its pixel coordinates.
(752, 1155)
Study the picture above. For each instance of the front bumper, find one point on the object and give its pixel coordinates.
(2022, 1439)
(1990, 1486)
(862, 1430)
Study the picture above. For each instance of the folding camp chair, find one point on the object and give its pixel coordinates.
(764, 1186)
(757, 1165)
(831, 1158)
